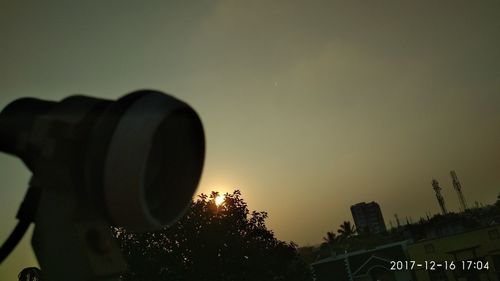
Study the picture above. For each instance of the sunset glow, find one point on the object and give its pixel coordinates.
(307, 108)
(219, 200)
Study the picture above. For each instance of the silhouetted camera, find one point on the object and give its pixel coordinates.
(134, 162)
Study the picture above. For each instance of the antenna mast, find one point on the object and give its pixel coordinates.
(437, 189)
(458, 189)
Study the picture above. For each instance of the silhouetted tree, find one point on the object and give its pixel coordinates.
(329, 245)
(368, 240)
(330, 238)
(346, 230)
(211, 242)
(308, 253)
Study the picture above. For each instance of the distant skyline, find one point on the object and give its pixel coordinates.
(309, 107)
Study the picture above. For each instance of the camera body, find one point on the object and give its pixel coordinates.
(134, 162)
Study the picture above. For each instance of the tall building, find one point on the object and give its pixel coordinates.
(367, 216)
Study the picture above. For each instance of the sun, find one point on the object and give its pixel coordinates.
(219, 200)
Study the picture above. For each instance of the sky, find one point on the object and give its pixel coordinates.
(308, 106)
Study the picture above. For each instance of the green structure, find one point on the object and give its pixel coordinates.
(364, 265)
(472, 255)
(468, 256)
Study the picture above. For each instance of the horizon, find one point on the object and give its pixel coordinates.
(387, 220)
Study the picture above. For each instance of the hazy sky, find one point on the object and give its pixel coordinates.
(308, 106)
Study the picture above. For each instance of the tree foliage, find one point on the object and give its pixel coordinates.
(210, 242)
(346, 230)
(349, 239)
(330, 238)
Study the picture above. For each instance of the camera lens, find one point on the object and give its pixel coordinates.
(175, 158)
(153, 161)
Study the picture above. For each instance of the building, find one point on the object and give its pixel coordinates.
(368, 217)
(480, 246)
(472, 255)
(365, 265)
